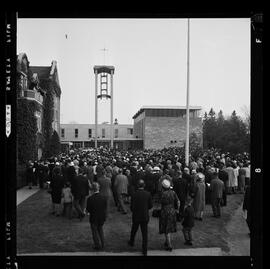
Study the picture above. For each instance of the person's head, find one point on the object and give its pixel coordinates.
(186, 170)
(189, 200)
(200, 177)
(127, 172)
(178, 173)
(166, 184)
(120, 171)
(95, 187)
(67, 184)
(214, 175)
(141, 184)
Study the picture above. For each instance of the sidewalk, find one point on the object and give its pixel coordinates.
(25, 192)
(175, 252)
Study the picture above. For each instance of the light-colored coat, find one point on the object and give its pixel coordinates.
(199, 199)
(121, 184)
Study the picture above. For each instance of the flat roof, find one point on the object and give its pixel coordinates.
(104, 69)
(142, 109)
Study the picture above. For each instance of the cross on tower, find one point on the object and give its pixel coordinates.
(104, 50)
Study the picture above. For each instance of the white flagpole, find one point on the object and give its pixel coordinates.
(187, 104)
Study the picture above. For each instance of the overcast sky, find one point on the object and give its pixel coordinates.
(150, 60)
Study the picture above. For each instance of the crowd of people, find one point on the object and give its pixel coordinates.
(90, 181)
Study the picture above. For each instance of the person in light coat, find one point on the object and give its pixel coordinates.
(199, 198)
(121, 189)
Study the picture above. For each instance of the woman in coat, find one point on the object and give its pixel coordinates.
(56, 185)
(167, 221)
(199, 198)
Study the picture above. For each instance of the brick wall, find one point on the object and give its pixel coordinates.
(160, 131)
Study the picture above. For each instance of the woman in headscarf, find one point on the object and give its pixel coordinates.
(167, 221)
(199, 197)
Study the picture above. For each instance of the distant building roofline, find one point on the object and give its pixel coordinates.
(165, 107)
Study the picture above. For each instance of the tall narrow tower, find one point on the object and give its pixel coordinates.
(103, 89)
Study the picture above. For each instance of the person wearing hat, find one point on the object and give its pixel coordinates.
(141, 202)
(167, 221)
(199, 197)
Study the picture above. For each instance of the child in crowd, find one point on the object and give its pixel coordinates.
(67, 200)
(188, 221)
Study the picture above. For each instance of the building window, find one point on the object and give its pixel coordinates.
(130, 131)
(76, 132)
(89, 133)
(103, 133)
(116, 133)
(62, 132)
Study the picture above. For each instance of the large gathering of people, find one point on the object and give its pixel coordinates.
(90, 181)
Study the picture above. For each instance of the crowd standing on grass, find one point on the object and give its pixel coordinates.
(89, 179)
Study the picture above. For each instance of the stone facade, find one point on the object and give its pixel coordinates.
(163, 132)
(161, 127)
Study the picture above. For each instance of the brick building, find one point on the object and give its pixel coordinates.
(160, 127)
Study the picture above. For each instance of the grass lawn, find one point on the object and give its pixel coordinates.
(40, 232)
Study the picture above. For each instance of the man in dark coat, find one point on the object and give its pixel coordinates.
(188, 222)
(141, 202)
(96, 206)
(180, 187)
(217, 188)
(81, 190)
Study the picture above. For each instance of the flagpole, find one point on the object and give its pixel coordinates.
(187, 103)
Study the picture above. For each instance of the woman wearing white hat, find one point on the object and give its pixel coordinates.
(199, 198)
(167, 221)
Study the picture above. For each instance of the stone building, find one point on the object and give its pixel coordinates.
(33, 82)
(160, 127)
(49, 81)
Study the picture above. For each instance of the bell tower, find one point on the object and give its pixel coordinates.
(103, 89)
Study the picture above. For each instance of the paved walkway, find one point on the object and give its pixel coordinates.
(175, 252)
(239, 240)
(25, 192)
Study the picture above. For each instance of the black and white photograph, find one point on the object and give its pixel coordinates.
(134, 136)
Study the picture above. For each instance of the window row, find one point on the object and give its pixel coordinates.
(116, 132)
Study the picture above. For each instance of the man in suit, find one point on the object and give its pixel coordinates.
(141, 202)
(81, 190)
(216, 187)
(180, 187)
(96, 206)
